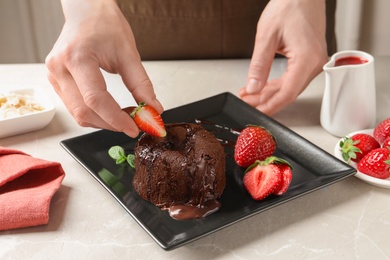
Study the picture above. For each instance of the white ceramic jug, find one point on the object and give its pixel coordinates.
(349, 101)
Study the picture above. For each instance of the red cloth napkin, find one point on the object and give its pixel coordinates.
(27, 185)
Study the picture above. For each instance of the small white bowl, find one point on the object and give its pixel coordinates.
(28, 122)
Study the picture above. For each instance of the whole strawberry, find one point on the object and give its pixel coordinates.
(148, 120)
(382, 130)
(386, 143)
(356, 147)
(253, 143)
(266, 177)
(376, 163)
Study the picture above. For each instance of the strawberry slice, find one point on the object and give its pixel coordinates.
(286, 171)
(148, 120)
(265, 177)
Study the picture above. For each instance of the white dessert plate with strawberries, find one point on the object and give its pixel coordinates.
(382, 183)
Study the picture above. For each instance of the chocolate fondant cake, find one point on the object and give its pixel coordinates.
(187, 167)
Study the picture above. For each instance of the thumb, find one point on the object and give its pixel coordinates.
(260, 65)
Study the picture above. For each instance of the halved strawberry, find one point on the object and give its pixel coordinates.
(382, 130)
(286, 171)
(376, 163)
(148, 120)
(253, 143)
(264, 177)
(357, 146)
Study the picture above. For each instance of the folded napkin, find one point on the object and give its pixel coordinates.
(27, 185)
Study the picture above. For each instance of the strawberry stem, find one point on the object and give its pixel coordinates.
(268, 160)
(140, 105)
(349, 149)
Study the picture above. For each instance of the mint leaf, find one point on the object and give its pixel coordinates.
(120, 160)
(130, 160)
(118, 154)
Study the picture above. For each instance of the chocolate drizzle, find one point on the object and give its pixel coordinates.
(225, 128)
(216, 129)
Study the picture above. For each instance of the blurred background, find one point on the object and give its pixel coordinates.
(29, 28)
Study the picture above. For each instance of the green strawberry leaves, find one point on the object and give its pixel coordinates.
(349, 149)
(268, 160)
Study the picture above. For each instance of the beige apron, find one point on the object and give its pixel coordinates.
(195, 29)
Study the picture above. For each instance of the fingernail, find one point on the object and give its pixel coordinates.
(253, 86)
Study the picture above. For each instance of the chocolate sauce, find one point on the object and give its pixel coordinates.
(220, 128)
(226, 143)
(205, 122)
(185, 212)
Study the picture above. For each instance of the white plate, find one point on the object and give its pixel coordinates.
(28, 122)
(383, 183)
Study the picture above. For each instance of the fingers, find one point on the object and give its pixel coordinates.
(279, 93)
(261, 61)
(98, 100)
(138, 83)
(270, 100)
(81, 85)
(257, 91)
(276, 96)
(75, 104)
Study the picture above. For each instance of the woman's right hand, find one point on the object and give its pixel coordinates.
(97, 36)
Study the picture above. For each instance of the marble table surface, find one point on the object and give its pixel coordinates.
(346, 220)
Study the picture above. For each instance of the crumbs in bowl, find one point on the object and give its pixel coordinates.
(14, 104)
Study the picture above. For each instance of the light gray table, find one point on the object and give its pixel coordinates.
(347, 220)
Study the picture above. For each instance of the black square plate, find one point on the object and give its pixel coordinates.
(313, 168)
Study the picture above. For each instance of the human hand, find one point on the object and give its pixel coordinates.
(96, 35)
(295, 29)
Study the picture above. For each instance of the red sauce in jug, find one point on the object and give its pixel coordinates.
(351, 60)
